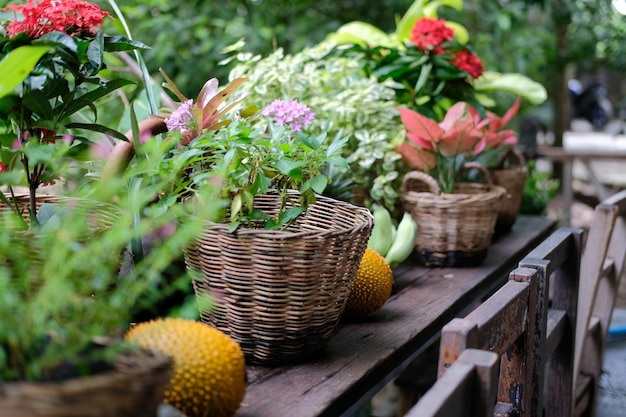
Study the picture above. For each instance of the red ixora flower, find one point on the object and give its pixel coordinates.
(468, 62)
(73, 17)
(428, 35)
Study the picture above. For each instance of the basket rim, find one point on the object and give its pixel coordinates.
(361, 216)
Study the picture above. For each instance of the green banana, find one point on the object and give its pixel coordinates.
(404, 241)
(383, 232)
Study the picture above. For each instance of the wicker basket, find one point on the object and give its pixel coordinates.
(134, 388)
(281, 293)
(452, 229)
(512, 178)
(101, 215)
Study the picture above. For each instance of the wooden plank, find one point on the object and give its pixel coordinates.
(488, 327)
(468, 389)
(363, 356)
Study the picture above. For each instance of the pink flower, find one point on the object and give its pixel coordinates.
(291, 113)
(182, 119)
(428, 35)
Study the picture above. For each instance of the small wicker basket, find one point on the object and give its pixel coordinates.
(452, 229)
(512, 178)
(134, 388)
(280, 294)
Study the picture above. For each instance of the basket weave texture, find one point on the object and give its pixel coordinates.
(452, 229)
(134, 388)
(512, 178)
(280, 294)
(101, 215)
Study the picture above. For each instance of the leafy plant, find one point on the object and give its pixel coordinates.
(61, 286)
(247, 157)
(539, 189)
(63, 82)
(343, 100)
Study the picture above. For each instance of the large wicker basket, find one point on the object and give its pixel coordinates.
(512, 178)
(280, 294)
(452, 229)
(135, 388)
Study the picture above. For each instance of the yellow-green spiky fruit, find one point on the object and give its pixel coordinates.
(209, 369)
(372, 286)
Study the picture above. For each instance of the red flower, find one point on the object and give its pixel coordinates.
(429, 34)
(468, 62)
(73, 17)
(3, 168)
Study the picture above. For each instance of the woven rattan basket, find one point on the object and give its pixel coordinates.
(134, 388)
(512, 178)
(280, 294)
(101, 215)
(452, 229)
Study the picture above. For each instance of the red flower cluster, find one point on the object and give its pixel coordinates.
(468, 62)
(73, 17)
(429, 34)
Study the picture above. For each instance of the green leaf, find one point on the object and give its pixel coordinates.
(319, 183)
(415, 11)
(291, 214)
(94, 127)
(514, 83)
(235, 207)
(338, 161)
(92, 96)
(460, 33)
(37, 102)
(289, 167)
(58, 39)
(11, 178)
(15, 67)
(95, 52)
(368, 33)
(122, 43)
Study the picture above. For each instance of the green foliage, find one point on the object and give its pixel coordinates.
(248, 158)
(353, 105)
(60, 286)
(539, 189)
(203, 29)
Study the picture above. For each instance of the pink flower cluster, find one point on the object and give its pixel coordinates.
(73, 17)
(182, 119)
(289, 112)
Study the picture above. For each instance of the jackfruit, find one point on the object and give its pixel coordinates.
(209, 377)
(372, 286)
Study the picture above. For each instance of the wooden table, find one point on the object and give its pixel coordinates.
(362, 357)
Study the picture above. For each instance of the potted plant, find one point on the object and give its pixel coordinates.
(505, 163)
(66, 305)
(345, 102)
(455, 218)
(61, 78)
(281, 259)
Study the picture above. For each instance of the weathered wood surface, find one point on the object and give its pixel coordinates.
(467, 389)
(362, 356)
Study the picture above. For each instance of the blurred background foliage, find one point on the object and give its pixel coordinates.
(547, 40)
